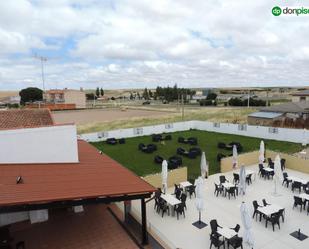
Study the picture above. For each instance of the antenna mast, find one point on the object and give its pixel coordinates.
(42, 59)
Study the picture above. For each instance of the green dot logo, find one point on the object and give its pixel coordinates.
(276, 11)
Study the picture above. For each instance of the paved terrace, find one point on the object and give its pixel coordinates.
(182, 234)
(95, 228)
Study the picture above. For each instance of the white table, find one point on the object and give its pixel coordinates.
(228, 185)
(248, 172)
(171, 201)
(304, 196)
(268, 169)
(296, 179)
(226, 232)
(270, 209)
(185, 184)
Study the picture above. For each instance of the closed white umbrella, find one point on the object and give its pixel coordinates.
(164, 176)
(262, 152)
(199, 202)
(305, 138)
(246, 219)
(277, 175)
(204, 166)
(242, 180)
(235, 154)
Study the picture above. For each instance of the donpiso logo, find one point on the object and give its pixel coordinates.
(276, 11)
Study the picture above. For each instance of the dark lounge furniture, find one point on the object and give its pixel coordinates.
(174, 162)
(197, 151)
(147, 149)
(159, 137)
(158, 159)
(214, 226)
(190, 140)
(122, 141)
(111, 141)
(192, 153)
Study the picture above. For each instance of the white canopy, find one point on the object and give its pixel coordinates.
(262, 152)
(247, 223)
(204, 166)
(235, 155)
(277, 171)
(242, 180)
(199, 194)
(164, 176)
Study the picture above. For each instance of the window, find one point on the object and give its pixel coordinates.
(302, 98)
(242, 127)
(168, 126)
(273, 130)
(216, 125)
(102, 134)
(138, 131)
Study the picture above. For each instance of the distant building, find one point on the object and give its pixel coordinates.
(300, 96)
(66, 96)
(292, 114)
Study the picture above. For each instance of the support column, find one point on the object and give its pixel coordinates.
(144, 223)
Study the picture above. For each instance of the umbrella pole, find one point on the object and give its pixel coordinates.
(199, 217)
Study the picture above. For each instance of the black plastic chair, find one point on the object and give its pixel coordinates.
(281, 213)
(218, 189)
(260, 169)
(158, 159)
(164, 207)
(216, 241)
(183, 199)
(248, 179)
(111, 141)
(231, 192)
(299, 202)
(296, 185)
(274, 220)
(285, 179)
(256, 211)
(236, 178)
(235, 242)
(122, 141)
(180, 209)
(265, 203)
(282, 161)
(236, 228)
(222, 179)
(214, 226)
(191, 190)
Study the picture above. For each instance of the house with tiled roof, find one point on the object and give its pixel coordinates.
(48, 176)
(25, 118)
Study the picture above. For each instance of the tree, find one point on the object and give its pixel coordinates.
(138, 96)
(145, 94)
(150, 94)
(211, 96)
(131, 96)
(30, 94)
(102, 91)
(90, 96)
(97, 92)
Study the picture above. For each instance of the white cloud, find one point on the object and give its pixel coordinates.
(124, 43)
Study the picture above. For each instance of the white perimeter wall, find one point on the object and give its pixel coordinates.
(54, 144)
(263, 132)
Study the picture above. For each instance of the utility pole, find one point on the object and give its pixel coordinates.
(248, 98)
(42, 59)
(267, 89)
(183, 108)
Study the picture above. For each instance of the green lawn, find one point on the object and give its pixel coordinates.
(142, 163)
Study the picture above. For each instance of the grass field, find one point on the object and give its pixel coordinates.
(142, 163)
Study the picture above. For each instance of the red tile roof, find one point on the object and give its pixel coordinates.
(25, 118)
(95, 175)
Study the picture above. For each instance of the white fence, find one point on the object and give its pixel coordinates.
(264, 132)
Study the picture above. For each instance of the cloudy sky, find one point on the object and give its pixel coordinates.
(141, 43)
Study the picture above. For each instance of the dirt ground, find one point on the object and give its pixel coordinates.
(82, 117)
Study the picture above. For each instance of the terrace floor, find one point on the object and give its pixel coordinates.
(95, 228)
(182, 234)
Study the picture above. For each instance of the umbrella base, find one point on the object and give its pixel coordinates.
(199, 224)
(298, 235)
